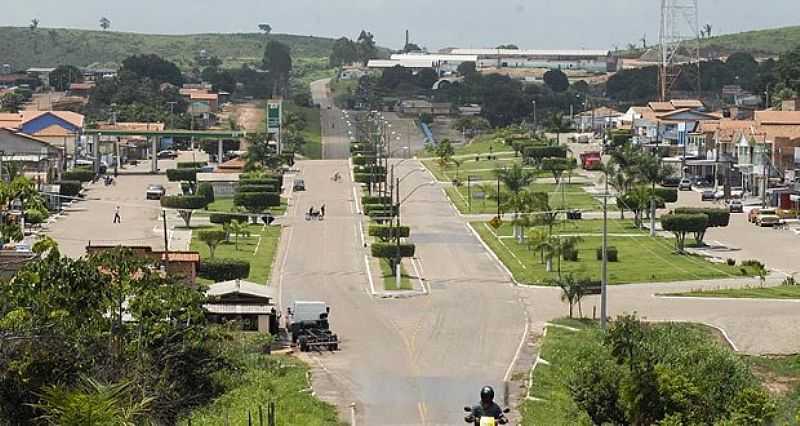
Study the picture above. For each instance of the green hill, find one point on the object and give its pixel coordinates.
(770, 42)
(49, 47)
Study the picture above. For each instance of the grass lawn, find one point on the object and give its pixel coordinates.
(779, 292)
(259, 249)
(479, 170)
(641, 258)
(389, 280)
(574, 197)
(262, 378)
(312, 133)
(225, 205)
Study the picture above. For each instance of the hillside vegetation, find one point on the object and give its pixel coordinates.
(49, 47)
(769, 42)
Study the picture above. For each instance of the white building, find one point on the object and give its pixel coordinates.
(443, 64)
(580, 60)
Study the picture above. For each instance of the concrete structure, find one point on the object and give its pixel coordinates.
(224, 184)
(600, 61)
(250, 303)
(41, 73)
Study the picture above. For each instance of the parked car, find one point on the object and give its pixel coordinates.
(768, 220)
(155, 192)
(168, 153)
(685, 184)
(671, 182)
(299, 185)
(708, 196)
(735, 206)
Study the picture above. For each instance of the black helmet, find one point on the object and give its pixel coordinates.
(487, 394)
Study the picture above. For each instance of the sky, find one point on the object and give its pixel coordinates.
(535, 24)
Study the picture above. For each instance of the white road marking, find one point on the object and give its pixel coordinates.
(369, 275)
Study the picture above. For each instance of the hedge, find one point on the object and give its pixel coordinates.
(389, 250)
(256, 188)
(361, 160)
(540, 152)
(70, 188)
(183, 202)
(367, 177)
(272, 181)
(206, 190)
(257, 201)
(611, 253)
(182, 175)
(386, 232)
(225, 218)
(370, 208)
(218, 270)
(669, 195)
(377, 170)
(191, 164)
(80, 175)
(374, 199)
(717, 218)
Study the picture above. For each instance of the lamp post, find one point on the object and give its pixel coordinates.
(397, 229)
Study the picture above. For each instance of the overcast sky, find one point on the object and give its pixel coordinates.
(433, 23)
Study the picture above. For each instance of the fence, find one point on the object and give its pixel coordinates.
(254, 417)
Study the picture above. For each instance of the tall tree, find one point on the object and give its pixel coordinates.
(153, 67)
(63, 76)
(34, 24)
(556, 80)
(105, 23)
(265, 28)
(278, 61)
(345, 51)
(366, 47)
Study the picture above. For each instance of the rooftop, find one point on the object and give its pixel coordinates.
(241, 287)
(530, 52)
(777, 117)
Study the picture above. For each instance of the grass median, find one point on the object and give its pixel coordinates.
(390, 279)
(258, 249)
(225, 205)
(573, 197)
(642, 258)
(749, 292)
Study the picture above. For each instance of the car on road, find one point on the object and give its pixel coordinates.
(168, 153)
(299, 185)
(685, 184)
(155, 192)
(735, 206)
(767, 217)
(671, 182)
(708, 196)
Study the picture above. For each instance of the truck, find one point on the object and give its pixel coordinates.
(591, 160)
(309, 326)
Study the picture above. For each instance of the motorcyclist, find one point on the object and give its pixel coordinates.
(487, 407)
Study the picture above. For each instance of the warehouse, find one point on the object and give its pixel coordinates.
(578, 60)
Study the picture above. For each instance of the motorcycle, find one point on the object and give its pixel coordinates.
(484, 420)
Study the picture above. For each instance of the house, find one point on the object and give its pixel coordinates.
(672, 124)
(42, 74)
(96, 74)
(39, 159)
(179, 263)
(82, 90)
(249, 303)
(203, 103)
(596, 119)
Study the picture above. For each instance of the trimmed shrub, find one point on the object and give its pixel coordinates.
(611, 252)
(668, 195)
(206, 191)
(731, 261)
(375, 199)
(361, 160)
(80, 175)
(682, 224)
(35, 216)
(225, 218)
(387, 232)
(256, 202)
(275, 182)
(70, 188)
(537, 153)
(182, 175)
(257, 188)
(377, 170)
(717, 218)
(370, 208)
(223, 269)
(183, 202)
(389, 250)
(365, 178)
(572, 255)
(191, 164)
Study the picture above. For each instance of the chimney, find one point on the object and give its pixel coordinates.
(407, 40)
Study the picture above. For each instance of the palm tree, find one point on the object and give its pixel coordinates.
(515, 179)
(546, 248)
(557, 125)
(572, 291)
(707, 29)
(34, 24)
(536, 241)
(525, 202)
(237, 229)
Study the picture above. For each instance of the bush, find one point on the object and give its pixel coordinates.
(387, 232)
(182, 175)
(362, 160)
(537, 153)
(35, 216)
(611, 252)
(371, 209)
(753, 263)
(731, 262)
(365, 178)
(223, 269)
(717, 218)
(191, 164)
(389, 250)
(70, 188)
(183, 202)
(274, 181)
(667, 195)
(206, 191)
(376, 170)
(225, 218)
(256, 202)
(80, 175)
(572, 255)
(257, 188)
(374, 199)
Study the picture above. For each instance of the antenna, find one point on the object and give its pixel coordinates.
(679, 47)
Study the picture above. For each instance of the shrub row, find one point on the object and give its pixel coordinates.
(389, 250)
(191, 164)
(226, 218)
(80, 175)
(362, 160)
(716, 217)
(182, 175)
(223, 269)
(375, 199)
(387, 232)
(370, 208)
(377, 170)
(366, 178)
(183, 202)
(537, 153)
(70, 188)
(257, 188)
(257, 201)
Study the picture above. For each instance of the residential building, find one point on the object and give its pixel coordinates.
(673, 124)
(39, 159)
(182, 264)
(251, 304)
(61, 129)
(41, 73)
(596, 119)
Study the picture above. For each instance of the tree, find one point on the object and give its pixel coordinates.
(237, 228)
(185, 204)
(366, 47)
(595, 388)
(345, 51)
(153, 67)
(445, 152)
(265, 28)
(466, 69)
(278, 61)
(572, 290)
(707, 29)
(508, 47)
(212, 238)
(411, 47)
(426, 78)
(34, 24)
(63, 76)
(557, 166)
(681, 224)
(556, 80)
(717, 218)
(105, 23)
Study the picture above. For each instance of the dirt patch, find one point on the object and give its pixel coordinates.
(248, 116)
(776, 384)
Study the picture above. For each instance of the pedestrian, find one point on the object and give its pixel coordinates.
(117, 218)
(322, 210)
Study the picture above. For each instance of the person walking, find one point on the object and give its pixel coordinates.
(322, 210)
(117, 218)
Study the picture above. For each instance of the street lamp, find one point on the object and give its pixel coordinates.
(397, 229)
(535, 124)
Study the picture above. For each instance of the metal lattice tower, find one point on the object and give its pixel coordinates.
(679, 41)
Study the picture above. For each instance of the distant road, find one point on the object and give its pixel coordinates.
(335, 140)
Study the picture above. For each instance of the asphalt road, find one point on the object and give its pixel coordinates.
(335, 140)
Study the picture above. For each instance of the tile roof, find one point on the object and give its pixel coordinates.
(70, 117)
(204, 96)
(778, 117)
(686, 103)
(660, 106)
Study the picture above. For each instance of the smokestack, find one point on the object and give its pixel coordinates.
(405, 45)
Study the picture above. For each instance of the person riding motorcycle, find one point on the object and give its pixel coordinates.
(487, 408)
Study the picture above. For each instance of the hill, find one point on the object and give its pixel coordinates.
(49, 47)
(769, 42)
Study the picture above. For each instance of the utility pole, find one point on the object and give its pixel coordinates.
(397, 234)
(604, 281)
(166, 239)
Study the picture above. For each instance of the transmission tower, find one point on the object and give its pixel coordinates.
(679, 41)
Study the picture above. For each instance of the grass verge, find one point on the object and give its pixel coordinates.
(642, 259)
(389, 279)
(749, 292)
(573, 197)
(225, 205)
(259, 249)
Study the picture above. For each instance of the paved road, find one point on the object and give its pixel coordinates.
(335, 140)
